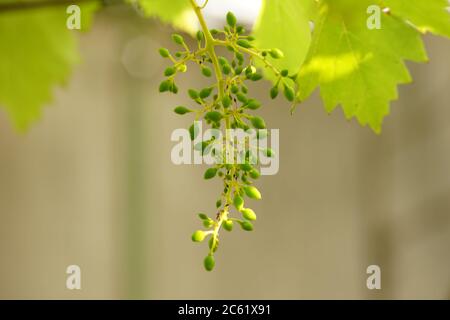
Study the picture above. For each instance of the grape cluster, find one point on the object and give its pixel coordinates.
(226, 104)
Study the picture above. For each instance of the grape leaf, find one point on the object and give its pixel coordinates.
(37, 51)
(284, 24)
(175, 12)
(359, 68)
(426, 15)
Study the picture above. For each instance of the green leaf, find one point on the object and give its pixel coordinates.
(175, 12)
(37, 52)
(356, 67)
(426, 15)
(284, 25)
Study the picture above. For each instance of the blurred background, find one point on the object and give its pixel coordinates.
(92, 184)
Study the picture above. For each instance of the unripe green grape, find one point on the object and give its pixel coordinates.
(200, 36)
(256, 77)
(226, 101)
(238, 202)
(234, 89)
(276, 53)
(289, 92)
(238, 70)
(244, 43)
(181, 110)
(206, 71)
(207, 223)
(228, 225)
(164, 52)
(239, 56)
(245, 180)
(254, 174)
(253, 104)
(223, 61)
(252, 192)
(177, 39)
(182, 68)
(248, 214)
(240, 29)
(250, 70)
(241, 97)
(246, 167)
(214, 116)
(284, 73)
(210, 173)
(226, 69)
(214, 31)
(250, 38)
(244, 89)
(198, 236)
(205, 93)
(231, 19)
(258, 122)
(219, 202)
(247, 226)
(193, 94)
(209, 263)
(274, 92)
(165, 86)
(202, 216)
(169, 71)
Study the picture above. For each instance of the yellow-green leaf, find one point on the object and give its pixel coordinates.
(284, 24)
(37, 52)
(175, 12)
(356, 67)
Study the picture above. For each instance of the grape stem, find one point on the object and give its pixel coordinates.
(209, 46)
(210, 43)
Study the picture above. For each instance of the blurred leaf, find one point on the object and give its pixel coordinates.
(175, 12)
(284, 24)
(37, 52)
(360, 68)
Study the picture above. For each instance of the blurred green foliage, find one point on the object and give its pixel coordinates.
(353, 66)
